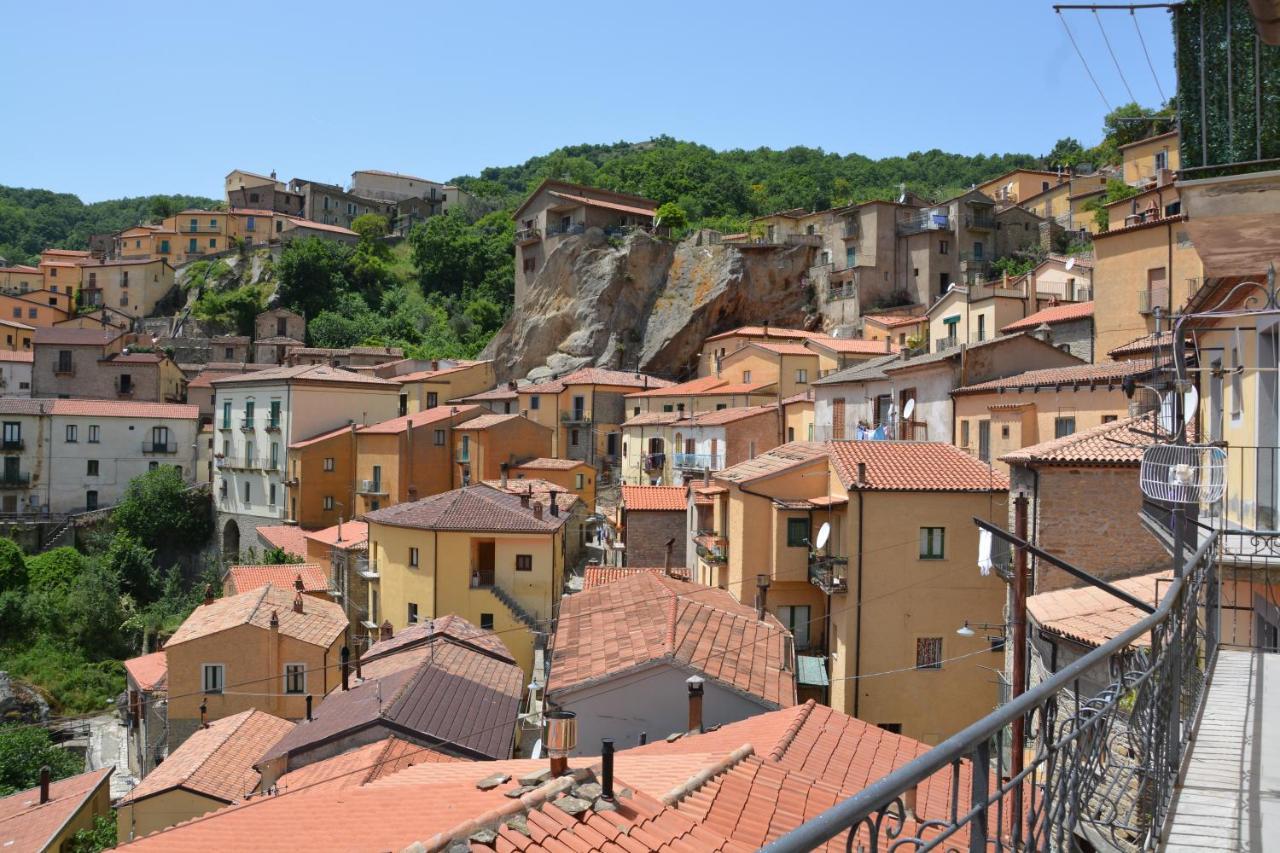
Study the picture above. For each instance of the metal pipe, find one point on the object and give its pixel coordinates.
(606, 768)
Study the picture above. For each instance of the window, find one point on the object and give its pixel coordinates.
(377, 478)
(892, 728)
(95, 433)
(1162, 159)
(964, 434)
(246, 492)
(797, 532)
(214, 678)
(850, 256)
(944, 247)
(524, 562)
(64, 361)
(984, 440)
(802, 375)
(978, 253)
(328, 501)
(32, 313)
(271, 494)
(413, 556)
(295, 678)
(573, 437)
(275, 454)
(796, 618)
(274, 422)
(982, 327)
(579, 481)
(439, 438)
(72, 433)
(248, 414)
(328, 463)
(17, 313)
(535, 402)
(90, 500)
(530, 264)
(486, 621)
(1004, 430)
(932, 545)
(412, 616)
(226, 414)
(929, 653)
(746, 376)
(1110, 419)
(1063, 426)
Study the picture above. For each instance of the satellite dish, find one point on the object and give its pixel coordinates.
(909, 409)
(824, 533)
(1071, 262)
(1190, 402)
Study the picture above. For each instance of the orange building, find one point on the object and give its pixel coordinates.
(426, 384)
(33, 309)
(483, 444)
(574, 475)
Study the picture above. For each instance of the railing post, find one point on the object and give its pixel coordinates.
(978, 793)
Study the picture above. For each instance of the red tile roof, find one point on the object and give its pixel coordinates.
(596, 376)
(149, 672)
(633, 622)
(487, 420)
(719, 417)
(539, 491)
(28, 824)
(422, 418)
(97, 408)
(321, 373)
(290, 538)
(1090, 616)
(548, 464)
(892, 321)
(1053, 314)
(353, 533)
(321, 437)
(479, 507)
(1105, 373)
(854, 346)
(68, 336)
(362, 765)
(599, 575)
(765, 332)
(774, 461)
(610, 205)
(1117, 443)
(785, 348)
(283, 576)
(701, 385)
(913, 466)
(1144, 344)
(320, 623)
(654, 498)
(216, 761)
(451, 627)
(26, 356)
(312, 225)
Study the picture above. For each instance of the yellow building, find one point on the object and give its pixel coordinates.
(895, 579)
(211, 770)
(15, 336)
(900, 329)
(61, 269)
(1063, 202)
(1144, 160)
(1014, 186)
(585, 410)
(265, 649)
(196, 233)
(573, 475)
(132, 286)
(427, 384)
(494, 558)
(483, 444)
(1003, 415)
(976, 313)
(838, 353)
(718, 347)
(704, 394)
(1137, 269)
(31, 310)
(791, 365)
(254, 227)
(20, 278)
(34, 823)
(798, 417)
(408, 457)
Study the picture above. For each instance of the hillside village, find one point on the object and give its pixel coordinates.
(853, 509)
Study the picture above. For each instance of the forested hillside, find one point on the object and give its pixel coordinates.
(31, 220)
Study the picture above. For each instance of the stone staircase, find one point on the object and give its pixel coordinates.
(526, 618)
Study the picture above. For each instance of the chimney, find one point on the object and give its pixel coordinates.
(44, 782)
(561, 738)
(208, 593)
(537, 511)
(666, 564)
(297, 601)
(204, 713)
(862, 473)
(524, 499)
(503, 469)
(762, 595)
(308, 707)
(888, 345)
(606, 769)
(695, 703)
(511, 385)
(385, 630)
(346, 668)
(554, 506)
(359, 675)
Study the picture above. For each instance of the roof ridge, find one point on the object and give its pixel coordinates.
(677, 794)
(784, 743)
(261, 597)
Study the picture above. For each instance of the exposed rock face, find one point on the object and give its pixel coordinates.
(20, 702)
(647, 304)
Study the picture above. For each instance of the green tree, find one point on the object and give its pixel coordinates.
(1065, 152)
(24, 750)
(134, 564)
(235, 308)
(158, 510)
(446, 252)
(13, 566)
(280, 557)
(672, 215)
(311, 273)
(101, 836)
(55, 571)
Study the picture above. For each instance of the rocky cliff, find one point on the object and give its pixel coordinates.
(648, 304)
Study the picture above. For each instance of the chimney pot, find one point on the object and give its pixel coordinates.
(862, 473)
(561, 738)
(537, 511)
(695, 683)
(297, 583)
(385, 630)
(204, 713)
(666, 565)
(346, 668)
(44, 784)
(308, 707)
(503, 469)
(297, 602)
(606, 768)
(524, 499)
(553, 505)
(275, 621)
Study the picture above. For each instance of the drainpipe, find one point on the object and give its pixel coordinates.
(857, 642)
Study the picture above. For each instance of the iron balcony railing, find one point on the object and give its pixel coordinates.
(528, 235)
(576, 416)
(980, 220)
(14, 480)
(12, 444)
(159, 447)
(924, 222)
(654, 461)
(803, 239)
(830, 574)
(699, 461)
(1100, 769)
(571, 228)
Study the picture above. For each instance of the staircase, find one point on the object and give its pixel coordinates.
(528, 620)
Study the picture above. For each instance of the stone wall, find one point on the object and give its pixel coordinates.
(646, 535)
(1087, 516)
(1075, 336)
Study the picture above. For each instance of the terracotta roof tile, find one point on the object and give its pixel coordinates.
(765, 332)
(217, 761)
(290, 538)
(599, 575)
(1117, 443)
(422, 418)
(353, 533)
(694, 387)
(25, 356)
(892, 321)
(282, 576)
(1092, 616)
(539, 492)
(320, 623)
(321, 437)
(312, 225)
(98, 408)
(488, 420)
(72, 336)
(548, 464)
(613, 628)
(1053, 314)
(654, 498)
(322, 373)
(596, 376)
(788, 348)
(1144, 344)
(28, 824)
(362, 765)
(775, 461)
(854, 346)
(149, 672)
(451, 626)
(913, 466)
(1102, 373)
(478, 507)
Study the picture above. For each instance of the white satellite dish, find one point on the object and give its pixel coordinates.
(824, 533)
(1190, 402)
(1071, 262)
(909, 409)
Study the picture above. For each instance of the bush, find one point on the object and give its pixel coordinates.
(74, 684)
(24, 750)
(13, 566)
(158, 510)
(55, 571)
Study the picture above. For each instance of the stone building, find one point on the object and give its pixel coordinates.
(650, 516)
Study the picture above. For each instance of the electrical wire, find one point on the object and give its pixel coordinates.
(1087, 70)
(1107, 42)
(1133, 15)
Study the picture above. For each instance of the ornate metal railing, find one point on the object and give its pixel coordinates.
(1099, 770)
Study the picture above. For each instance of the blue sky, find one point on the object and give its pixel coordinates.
(126, 98)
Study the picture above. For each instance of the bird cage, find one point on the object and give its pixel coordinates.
(1183, 474)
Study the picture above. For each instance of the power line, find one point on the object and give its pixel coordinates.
(1107, 42)
(1145, 53)
(1087, 70)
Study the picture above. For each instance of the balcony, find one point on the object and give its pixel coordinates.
(920, 223)
(371, 487)
(246, 423)
(944, 344)
(14, 480)
(698, 461)
(566, 230)
(852, 230)
(64, 370)
(528, 235)
(273, 425)
(462, 457)
(983, 221)
(188, 228)
(970, 261)
(576, 416)
(225, 425)
(1151, 299)
(803, 240)
(655, 461)
(711, 547)
(167, 447)
(830, 574)
(13, 444)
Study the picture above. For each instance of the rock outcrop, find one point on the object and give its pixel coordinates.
(648, 304)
